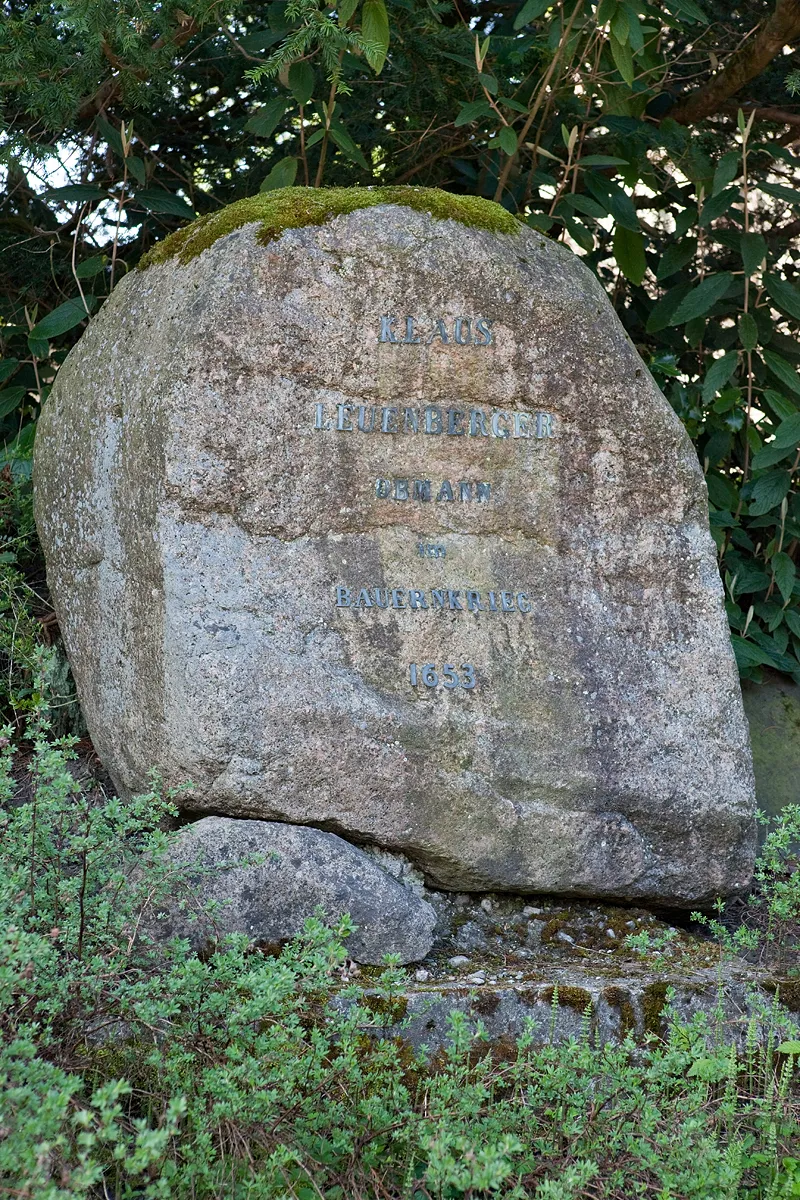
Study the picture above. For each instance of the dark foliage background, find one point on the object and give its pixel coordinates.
(657, 140)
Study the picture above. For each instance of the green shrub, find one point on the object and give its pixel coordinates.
(130, 1069)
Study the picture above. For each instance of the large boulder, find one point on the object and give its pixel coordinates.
(380, 524)
(267, 878)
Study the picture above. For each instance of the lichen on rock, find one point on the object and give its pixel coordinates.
(296, 207)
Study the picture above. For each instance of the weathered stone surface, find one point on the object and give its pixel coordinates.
(773, 713)
(197, 526)
(302, 869)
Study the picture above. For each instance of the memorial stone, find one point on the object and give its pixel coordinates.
(362, 512)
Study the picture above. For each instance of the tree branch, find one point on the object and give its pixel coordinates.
(781, 28)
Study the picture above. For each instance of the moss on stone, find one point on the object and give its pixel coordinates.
(391, 1008)
(619, 998)
(295, 207)
(653, 1000)
(486, 1004)
(576, 998)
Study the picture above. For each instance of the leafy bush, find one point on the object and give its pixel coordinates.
(130, 1069)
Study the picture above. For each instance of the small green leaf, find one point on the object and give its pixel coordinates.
(785, 294)
(623, 59)
(791, 1047)
(265, 120)
(788, 432)
(770, 455)
(91, 267)
(748, 654)
(489, 82)
(137, 169)
(748, 331)
(768, 491)
(7, 368)
(471, 111)
(602, 160)
(753, 250)
(10, 398)
(375, 29)
(701, 299)
(629, 253)
(792, 618)
(530, 11)
(726, 171)
(782, 408)
(782, 193)
(346, 8)
(583, 204)
(158, 200)
(508, 140)
(301, 81)
(676, 256)
(76, 193)
(718, 374)
(283, 174)
(61, 319)
(688, 10)
(39, 347)
(785, 573)
(717, 206)
(620, 25)
(782, 370)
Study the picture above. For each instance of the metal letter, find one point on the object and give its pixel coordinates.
(396, 594)
(523, 603)
(460, 322)
(473, 601)
(381, 597)
(521, 426)
(433, 419)
(456, 418)
(409, 339)
(383, 488)
(452, 600)
(389, 415)
(483, 491)
(437, 598)
(343, 597)
(410, 420)
(544, 425)
(401, 489)
(319, 417)
(386, 330)
(464, 491)
(416, 599)
(362, 418)
(363, 600)
(507, 601)
(496, 430)
(343, 412)
(492, 604)
(439, 331)
(445, 491)
(482, 326)
(477, 417)
(422, 489)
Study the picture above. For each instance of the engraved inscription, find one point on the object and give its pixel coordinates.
(458, 331)
(433, 420)
(463, 491)
(430, 550)
(432, 600)
(428, 675)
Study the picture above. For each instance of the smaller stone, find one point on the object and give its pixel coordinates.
(458, 960)
(564, 937)
(610, 933)
(422, 976)
(477, 977)
(486, 904)
(530, 911)
(269, 877)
